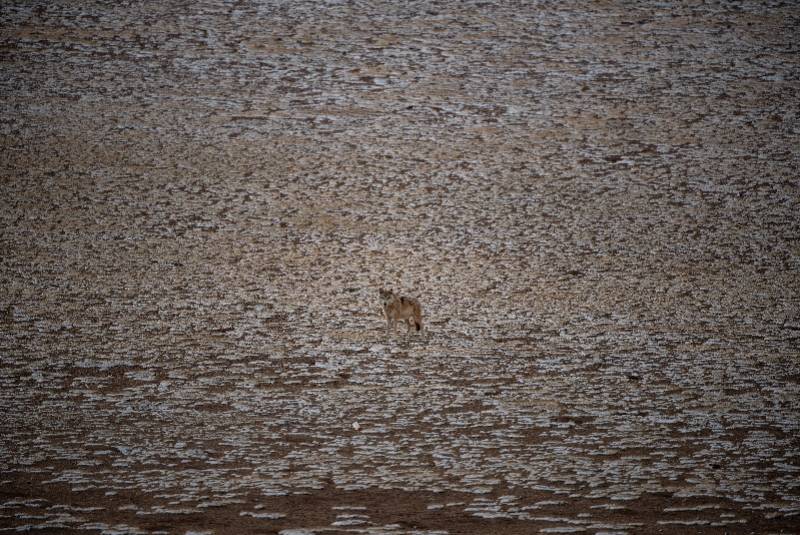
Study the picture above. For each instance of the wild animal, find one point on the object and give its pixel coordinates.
(400, 308)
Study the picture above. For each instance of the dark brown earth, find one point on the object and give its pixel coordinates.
(595, 203)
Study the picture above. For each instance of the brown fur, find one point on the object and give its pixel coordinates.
(405, 309)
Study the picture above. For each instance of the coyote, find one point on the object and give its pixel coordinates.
(396, 308)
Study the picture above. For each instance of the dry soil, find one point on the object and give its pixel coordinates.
(596, 203)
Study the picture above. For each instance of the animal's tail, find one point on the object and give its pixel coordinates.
(418, 317)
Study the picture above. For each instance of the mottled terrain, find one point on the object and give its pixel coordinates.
(596, 203)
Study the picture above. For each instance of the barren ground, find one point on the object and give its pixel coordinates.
(596, 203)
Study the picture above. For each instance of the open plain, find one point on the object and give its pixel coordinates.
(595, 202)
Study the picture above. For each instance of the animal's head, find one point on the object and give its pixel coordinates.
(386, 295)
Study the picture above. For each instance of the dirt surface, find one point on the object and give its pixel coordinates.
(595, 202)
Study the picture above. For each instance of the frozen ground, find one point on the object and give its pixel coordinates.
(596, 203)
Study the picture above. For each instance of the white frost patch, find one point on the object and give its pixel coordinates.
(119, 529)
(21, 503)
(549, 502)
(695, 508)
(218, 503)
(144, 375)
(158, 510)
(264, 516)
(697, 522)
(609, 507)
(77, 509)
(349, 522)
(492, 514)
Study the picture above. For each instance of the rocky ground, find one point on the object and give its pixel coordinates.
(596, 203)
